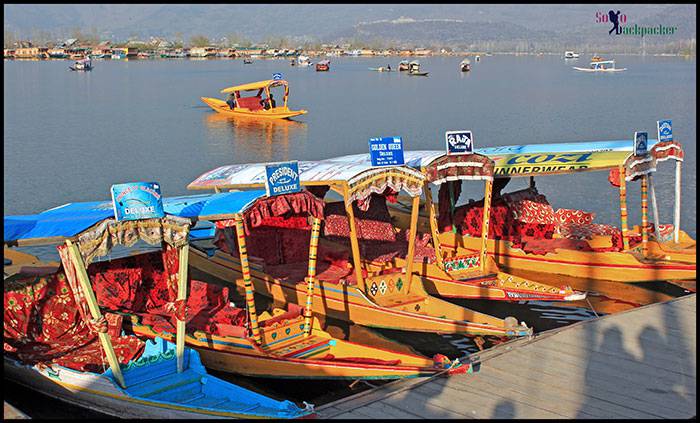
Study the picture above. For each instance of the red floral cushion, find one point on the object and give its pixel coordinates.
(573, 216)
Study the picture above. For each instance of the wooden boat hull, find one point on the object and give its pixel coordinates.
(98, 393)
(611, 265)
(490, 285)
(415, 311)
(285, 353)
(222, 107)
(418, 73)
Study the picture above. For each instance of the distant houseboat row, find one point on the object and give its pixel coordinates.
(106, 52)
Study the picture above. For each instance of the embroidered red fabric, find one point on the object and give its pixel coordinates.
(42, 324)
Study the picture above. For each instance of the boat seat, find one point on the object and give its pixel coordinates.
(251, 103)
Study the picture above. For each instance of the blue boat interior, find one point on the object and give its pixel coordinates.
(154, 378)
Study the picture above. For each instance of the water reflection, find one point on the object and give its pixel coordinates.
(261, 139)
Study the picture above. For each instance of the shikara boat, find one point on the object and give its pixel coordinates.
(350, 292)
(282, 344)
(403, 65)
(323, 66)
(682, 247)
(567, 241)
(60, 342)
(414, 69)
(474, 275)
(600, 66)
(82, 65)
(253, 106)
(465, 65)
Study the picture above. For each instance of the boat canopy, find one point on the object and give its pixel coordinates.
(256, 85)
(69, 220)
(602, 62)
(532, 164)
(438, 167)
(564, 147)
(324, 62)
(354, 172)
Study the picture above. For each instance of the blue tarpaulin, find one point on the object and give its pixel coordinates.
(73, 218)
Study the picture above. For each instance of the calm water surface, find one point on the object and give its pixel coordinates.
(69, 136)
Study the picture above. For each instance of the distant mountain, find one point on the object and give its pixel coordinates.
(409, 23)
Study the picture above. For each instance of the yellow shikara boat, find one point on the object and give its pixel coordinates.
(473, 275)
(254, 106)
(349, 292)
(580, 249)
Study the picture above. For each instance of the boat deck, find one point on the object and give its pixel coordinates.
(639, 363)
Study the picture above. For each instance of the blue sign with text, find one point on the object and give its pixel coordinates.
(282, 178)
(459, 142)
(276, 76)
(665, 130)
(137, 200)
(640, 143)
(387, 151)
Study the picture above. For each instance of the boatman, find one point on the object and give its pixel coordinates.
(231, 100)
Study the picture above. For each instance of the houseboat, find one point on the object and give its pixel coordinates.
(202, 52)
(57, 53)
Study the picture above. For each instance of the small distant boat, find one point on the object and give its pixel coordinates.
(303, 61)
(323, 66)
(601, 66)
(414, 69)
(465, 65)
(247, 61)
(82, 65)
(477, 58)
(571, 55)
(386, 68)
(403, 65)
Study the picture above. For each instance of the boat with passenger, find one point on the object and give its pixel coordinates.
(465, 65)
(403, 65)
(323, 66)
(600, 66)
(571, 55)
(303, 61)
(82, 65)
(255, 105)
(531, 235)
(62, 341)
(414, 69)
(392, 298)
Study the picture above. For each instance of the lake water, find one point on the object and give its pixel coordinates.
(68, 136)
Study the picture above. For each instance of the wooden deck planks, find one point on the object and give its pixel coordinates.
(636, 364)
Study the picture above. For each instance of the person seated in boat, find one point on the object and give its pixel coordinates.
(388, 67)
(231, 100)
(268, 103)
